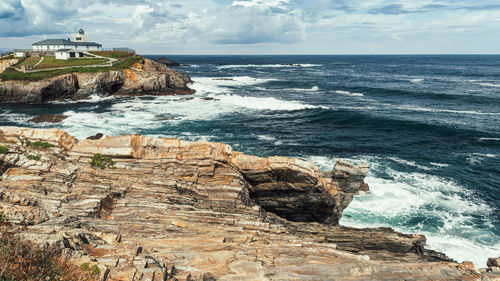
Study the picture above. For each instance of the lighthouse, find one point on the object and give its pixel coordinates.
(81, 37)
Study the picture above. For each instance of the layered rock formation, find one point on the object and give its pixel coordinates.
(166, 209)
(144, 78)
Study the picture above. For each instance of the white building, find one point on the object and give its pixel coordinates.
(64, 54)
(52, 45)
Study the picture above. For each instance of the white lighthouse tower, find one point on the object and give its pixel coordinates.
(81, 36)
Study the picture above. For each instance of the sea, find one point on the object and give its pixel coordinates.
(428, 126)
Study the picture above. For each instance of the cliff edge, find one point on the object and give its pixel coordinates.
(145, 77)
(166, 209)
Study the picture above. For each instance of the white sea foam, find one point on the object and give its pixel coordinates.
(405, 195)
(91, 99)
(265, 103)
(425, 109)
(440, 165)
(408, 163)
(312, 89)
(15, 117)
(222, 84)
(489, 139)
(347, 93)
(146, 113)
(417, 80)
(266, 66)
(477, 158)
(401, 196)
(489, 85)
(266, 137)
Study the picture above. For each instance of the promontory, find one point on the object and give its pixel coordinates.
(67, 80)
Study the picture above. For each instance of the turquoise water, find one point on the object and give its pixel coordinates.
(429, 126)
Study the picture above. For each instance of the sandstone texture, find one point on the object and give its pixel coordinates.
(174, 210)
(144, 78)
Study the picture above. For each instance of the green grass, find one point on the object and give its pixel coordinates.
(34, 157)
(34, 76)
(94, 269)
(52, 62)
(9, 57)
(39, 144)
(113, 54)
(4, 149)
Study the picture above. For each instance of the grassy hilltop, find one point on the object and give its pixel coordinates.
(71, 65)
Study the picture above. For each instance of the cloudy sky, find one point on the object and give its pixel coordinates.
(261, 26)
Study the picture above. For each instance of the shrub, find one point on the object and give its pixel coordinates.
(94, 269)
(2, 218)
(22, 260)
(39, 144)
(100, 161)
(4, 149)
(34, 157)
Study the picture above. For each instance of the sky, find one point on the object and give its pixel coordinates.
(261, 26)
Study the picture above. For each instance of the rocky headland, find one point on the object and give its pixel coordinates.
(145, 208)
(146, 77)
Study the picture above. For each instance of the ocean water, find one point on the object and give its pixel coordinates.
(429, 127)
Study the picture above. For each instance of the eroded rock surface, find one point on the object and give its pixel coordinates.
(144, 78)
(200, 211)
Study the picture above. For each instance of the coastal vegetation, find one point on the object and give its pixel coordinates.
(34, 157)
(22, 260)
(101, 161)
(9, 57)
(34, 76)
(39, 144)
(4, 149)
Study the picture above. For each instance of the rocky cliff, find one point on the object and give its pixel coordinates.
(143, 78)
(165, 209)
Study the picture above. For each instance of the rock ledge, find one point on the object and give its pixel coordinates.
(176, 210)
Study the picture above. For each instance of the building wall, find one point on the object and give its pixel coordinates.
(58, 47)
(62, 55)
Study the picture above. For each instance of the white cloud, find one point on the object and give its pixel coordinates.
(261, 3)
(301, 26)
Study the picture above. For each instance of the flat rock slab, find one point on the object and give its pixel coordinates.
(48, 118)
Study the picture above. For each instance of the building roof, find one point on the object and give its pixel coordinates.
(65, 42)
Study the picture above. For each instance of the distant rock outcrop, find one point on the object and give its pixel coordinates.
(166, 209)
(49, 118)
(144, 78)
(167, 61)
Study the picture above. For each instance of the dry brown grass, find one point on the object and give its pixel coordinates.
(29, 62)
(21, 260)
(113, 54)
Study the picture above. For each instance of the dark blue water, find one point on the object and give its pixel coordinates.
(429, 126)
